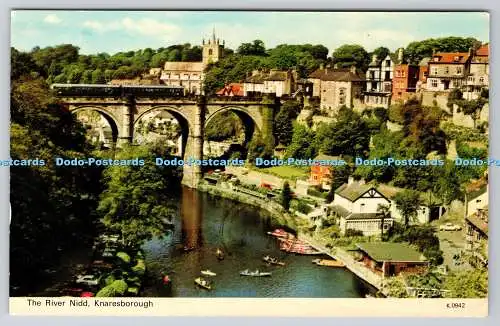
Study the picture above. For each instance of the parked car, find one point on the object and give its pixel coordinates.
(90, 280)
(450, 227)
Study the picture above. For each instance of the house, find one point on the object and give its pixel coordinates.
(274, 81)
(379, 80)
(479, 73)
(190, 74)
(476, 196)
(423, 73)
(356, 205)
(279, 82)
(321, 175)
(405, 78)
(336, 88)
(448, 70)
(232, 89)
(392, 258)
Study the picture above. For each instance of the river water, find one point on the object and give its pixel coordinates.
(206, 223)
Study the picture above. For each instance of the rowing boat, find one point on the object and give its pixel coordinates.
(273, 261)
(255, 273)
(203, 283)
(208, 273)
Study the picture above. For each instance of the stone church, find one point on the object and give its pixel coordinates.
(190, 74)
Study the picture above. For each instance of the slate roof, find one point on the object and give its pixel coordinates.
(353, 191)
(339, 210)
(479, 220)
(184, 66)
(391, 192)
(365, 216)
(343, 74)
(327, 157)
(277, 76)
(391, 251)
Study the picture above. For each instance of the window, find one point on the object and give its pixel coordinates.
(434, 70)
(342, 96)
(388, 63)
(398, 73)
(434, 83)
(210, 51)
(372, 75)
(403, 74)
(446, 70)
(481, 80)
(459, 70)
(361, 208)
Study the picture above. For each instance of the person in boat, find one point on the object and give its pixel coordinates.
(166, 280)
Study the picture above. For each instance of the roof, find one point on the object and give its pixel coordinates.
(344, 74)
(391, 251)
(476, 189)
(277, 76)
(353, 191)
(450, 57)
(479, 220)
(257, 78)
(232, 89)
(484, 50)
(339, 210)
(366, 216)
(184, 66)
(327, 157)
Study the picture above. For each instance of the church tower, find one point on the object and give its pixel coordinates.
(212, 50)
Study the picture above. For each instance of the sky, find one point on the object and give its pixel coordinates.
(115, 31)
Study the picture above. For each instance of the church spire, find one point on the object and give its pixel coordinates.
(213, 34)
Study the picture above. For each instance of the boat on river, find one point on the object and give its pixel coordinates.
(328, 262)
(273, 261)
(220, 254)
(255, 273)
(201, 282)
(298, 247)
(208, 273)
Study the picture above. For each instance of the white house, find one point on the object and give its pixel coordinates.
(356, 204)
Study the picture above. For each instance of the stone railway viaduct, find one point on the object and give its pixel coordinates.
(123, 107)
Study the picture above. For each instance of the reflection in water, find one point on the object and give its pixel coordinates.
(191, 212)
(240, 230)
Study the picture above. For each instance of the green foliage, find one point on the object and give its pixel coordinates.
(416, 51)
(140, 267)
(303, 207)
(351, 54)
(381, 52)
(423, 237)
(257, 47)
(107, 292)
(258, 148)
(353, 233)
(283, 122)
(468, 284)
(123, 256)
(408, 202)
(51, 206)
(133, 203)
(286, 196)
(224, 126)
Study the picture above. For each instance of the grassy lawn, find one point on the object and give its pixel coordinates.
(286, 172)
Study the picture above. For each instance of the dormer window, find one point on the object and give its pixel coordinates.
(436, 59)
(456, 58)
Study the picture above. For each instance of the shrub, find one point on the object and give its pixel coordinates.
(140, 267)
(353, 233)
(123, 256)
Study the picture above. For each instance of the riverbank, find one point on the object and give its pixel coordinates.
(277, 212)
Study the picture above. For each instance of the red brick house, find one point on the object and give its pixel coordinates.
(392, 258)
(321, 175)
(404, 80)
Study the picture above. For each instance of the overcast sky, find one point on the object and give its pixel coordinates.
(114, 31)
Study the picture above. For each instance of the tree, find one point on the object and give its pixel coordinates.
(416, 51)
(351, 54)
(383, 211)
(286, 196)
(132, 204)
(283, 122)
(301, 146)
(257, 47)
(381, 52)
(468, 284)
(408, 202)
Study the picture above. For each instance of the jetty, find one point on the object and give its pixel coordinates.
(352, 265)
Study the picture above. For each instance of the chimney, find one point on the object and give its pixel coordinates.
(336, 66)
(353, 69)
(326, 69)
(374, 58)
(400, 55)
(350, 180)
(361, 182)
(471, 51)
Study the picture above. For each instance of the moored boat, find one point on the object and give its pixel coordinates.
(220, 254)
(273, 261)
(280, 233)
(201, 282)
(208, 273)
(255, 273)
(328, 262)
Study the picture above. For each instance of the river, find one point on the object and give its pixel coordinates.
(206, 223)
